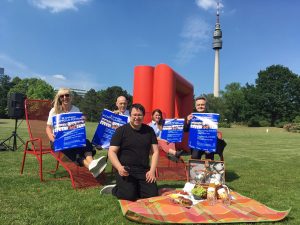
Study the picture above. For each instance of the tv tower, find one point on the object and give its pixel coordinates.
(217, 45)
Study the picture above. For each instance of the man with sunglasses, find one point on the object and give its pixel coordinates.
(129, 152)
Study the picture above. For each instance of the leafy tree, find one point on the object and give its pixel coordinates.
(109, 96)
(234, 101)
(251, 109)
(279, 91)
(15, 80)
(216, 105)
(5, 85)
(33, 88)
(76, 99)
(90, 105)
(94, 102)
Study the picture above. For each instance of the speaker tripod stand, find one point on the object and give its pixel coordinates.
(14, 136)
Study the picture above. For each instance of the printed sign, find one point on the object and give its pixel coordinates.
(172, 130)
(108, 123)
(69, 131)
(203, 131)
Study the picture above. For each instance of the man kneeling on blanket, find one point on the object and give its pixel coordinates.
(129, 152)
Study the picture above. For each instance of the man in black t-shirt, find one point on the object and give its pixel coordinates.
(129, 152)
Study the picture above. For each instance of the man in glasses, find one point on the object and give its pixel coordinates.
(129, 152)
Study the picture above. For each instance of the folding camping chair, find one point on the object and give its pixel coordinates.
(166, 168)
(36, 112)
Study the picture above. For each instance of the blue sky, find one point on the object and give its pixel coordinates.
(97, 43)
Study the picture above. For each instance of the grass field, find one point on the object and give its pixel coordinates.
(260, 165)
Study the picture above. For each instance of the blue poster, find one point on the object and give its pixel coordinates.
(203, 131)
(108, 123)
(69, 131)
(172, 130)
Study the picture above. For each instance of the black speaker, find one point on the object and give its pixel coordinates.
(15, 105)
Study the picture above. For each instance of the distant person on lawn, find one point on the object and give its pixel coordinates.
(81, 156)
(129, 152)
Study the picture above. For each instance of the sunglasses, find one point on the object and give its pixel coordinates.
(65, 95)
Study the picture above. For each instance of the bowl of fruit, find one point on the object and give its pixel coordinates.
(199, 192)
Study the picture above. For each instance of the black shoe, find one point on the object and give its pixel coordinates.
(179, 153)
(172, 157)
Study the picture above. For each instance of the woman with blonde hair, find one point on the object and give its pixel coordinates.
(82, 156)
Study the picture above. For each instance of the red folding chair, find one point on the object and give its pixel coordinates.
(166, 168)
(36, 112)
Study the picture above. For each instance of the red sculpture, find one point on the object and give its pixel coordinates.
(161, 87)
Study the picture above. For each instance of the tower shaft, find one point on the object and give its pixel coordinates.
(217, 45)
(217, 74)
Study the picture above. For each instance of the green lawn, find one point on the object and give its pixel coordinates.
(260, 165)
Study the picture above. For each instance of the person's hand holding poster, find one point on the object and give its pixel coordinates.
(108, 123)
(172, 130)
(69, 131)
(203, 131)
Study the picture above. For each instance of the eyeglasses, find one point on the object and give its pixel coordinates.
(65, 95)
(137, 115)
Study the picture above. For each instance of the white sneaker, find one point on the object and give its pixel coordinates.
(107, 189)
(97, 166)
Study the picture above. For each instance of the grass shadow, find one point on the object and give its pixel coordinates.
(172, 186)
(231, 176)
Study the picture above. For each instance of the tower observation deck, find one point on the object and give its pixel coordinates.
(217, 43)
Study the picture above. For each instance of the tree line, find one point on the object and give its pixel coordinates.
(274, 99)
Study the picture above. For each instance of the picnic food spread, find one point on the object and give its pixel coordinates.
(181, 198)
(192, 194)
(199, 192)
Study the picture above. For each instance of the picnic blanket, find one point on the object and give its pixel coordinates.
(162, 209)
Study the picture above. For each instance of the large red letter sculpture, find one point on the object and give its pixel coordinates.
(163, 88)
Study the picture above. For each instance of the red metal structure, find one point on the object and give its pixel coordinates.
(161, 87)
(36, 112)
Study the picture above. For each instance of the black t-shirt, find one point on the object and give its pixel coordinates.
(135, 145)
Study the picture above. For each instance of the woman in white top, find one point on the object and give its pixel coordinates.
(82, 156)
(157, 125)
